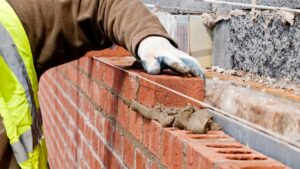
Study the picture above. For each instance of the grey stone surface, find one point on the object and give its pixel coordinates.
(181, 6)
(230, 7)
(221, 54)
(194, 6)
(275, 3)
(171, 6)
(266, 46)
(149, 1)
(282, 3)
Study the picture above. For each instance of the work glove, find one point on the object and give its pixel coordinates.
(157, 53)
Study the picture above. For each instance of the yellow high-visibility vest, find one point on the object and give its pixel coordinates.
(19, 106)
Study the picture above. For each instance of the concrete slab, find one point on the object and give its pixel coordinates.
(194, 6)
(277, 3)
(150, 1)
(265, 46)
(221, 55)
(171, 6)
(181, 6)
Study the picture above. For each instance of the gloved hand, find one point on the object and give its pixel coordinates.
(157, 53)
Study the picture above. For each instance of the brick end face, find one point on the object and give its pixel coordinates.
(88, 123)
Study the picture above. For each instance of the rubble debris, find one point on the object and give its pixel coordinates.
(189, 118)
(227, 71)
(248, 77)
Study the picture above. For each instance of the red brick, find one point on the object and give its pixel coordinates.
(97, 70)
(115, 164)
(72, 73)
(218, 153)
(195, 161)
(98, 165)
(118, 142)
(212, 135)
(73, 93)
(108, 131)
(256, 165)
(96, 94)
(150, 94)
(74, 63)
(154, 166)
(85, 84)
(100, 149)
(172, 150)
(99, 124)
(128, 154)
(108, 76)
(87, 132)
(85, 63)
(118, 78)
(103, 98)
(123, 116)
(80, 122)
(116, 51)
(147, 94)
(152, 136)
(136, 124)
(140, 160)
(130, 87)
(112, 102)
(109, 160)
(94, 140)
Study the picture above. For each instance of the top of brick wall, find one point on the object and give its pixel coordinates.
(149, 93)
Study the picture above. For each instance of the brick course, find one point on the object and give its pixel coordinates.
(88, 123)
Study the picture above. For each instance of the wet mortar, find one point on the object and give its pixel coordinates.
(188, 118)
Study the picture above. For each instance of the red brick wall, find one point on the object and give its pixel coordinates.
(88, 123)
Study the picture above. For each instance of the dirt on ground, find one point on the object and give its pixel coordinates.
(278, 87)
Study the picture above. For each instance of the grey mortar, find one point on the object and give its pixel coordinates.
(264, 46)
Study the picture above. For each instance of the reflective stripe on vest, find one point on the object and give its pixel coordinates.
(19, 105)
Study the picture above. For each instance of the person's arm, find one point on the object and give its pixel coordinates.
(130, 24)
(60, 31)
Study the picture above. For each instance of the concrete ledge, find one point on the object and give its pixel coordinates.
(295, 4)
(198, 7)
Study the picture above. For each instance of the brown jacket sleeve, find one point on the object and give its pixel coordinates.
(64, 30)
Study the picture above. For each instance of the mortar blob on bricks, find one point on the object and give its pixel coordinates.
(197, 121)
